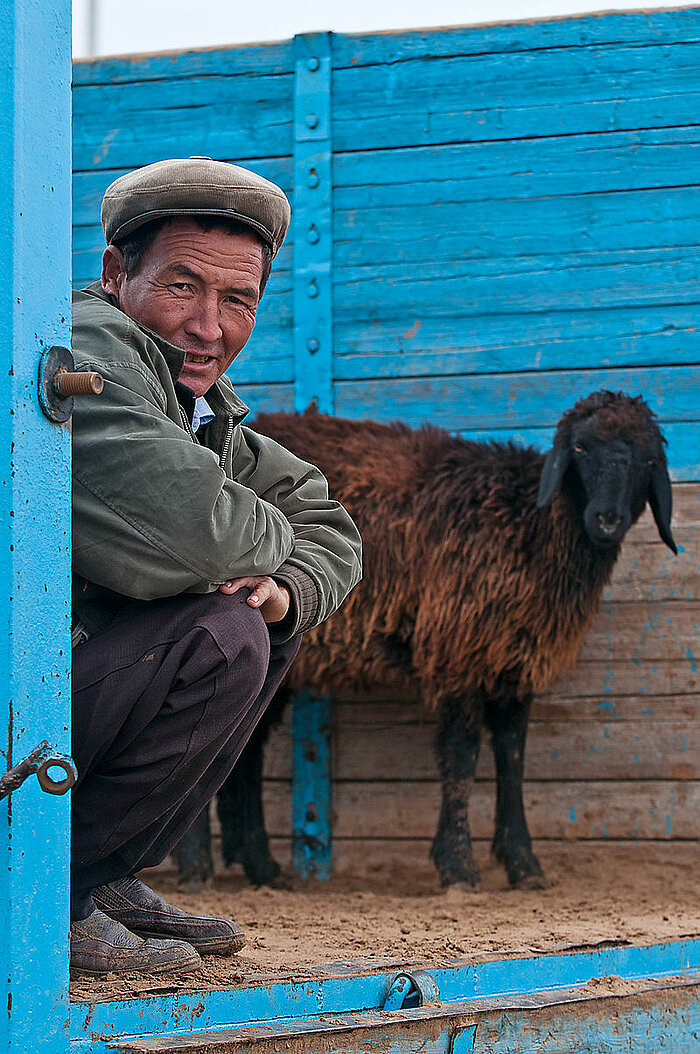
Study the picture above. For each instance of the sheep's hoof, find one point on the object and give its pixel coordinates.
(457, 890)
(530, 882)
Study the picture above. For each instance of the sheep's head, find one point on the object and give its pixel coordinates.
(608, 454)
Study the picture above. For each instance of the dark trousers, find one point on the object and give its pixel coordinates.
(163, 704)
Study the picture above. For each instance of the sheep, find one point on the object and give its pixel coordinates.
(484, 566)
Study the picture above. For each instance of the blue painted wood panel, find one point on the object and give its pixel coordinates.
(514, 212)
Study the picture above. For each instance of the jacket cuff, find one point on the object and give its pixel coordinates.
(304, 605)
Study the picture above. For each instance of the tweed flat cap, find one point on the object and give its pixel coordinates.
(195, 186)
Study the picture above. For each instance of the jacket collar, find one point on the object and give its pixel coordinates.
(221, 396)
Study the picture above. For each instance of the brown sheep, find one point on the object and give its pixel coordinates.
(484, 566)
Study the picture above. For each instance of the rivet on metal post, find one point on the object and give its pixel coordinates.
(312, 179)
(312, 235)
(312, 120)
(313, 64)
(313, 345)
(312, 288)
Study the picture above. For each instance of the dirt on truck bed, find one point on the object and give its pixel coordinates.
(596, 897)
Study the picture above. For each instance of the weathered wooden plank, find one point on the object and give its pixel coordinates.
(626, 677)
(264, 398)
(417, 346)
(517, 285)
(583, 34)
(643, 630)
(500, 96)
(557, 751)
(649, 571)
(351, 713)
(517, 399)
(367, 857)
(622, 221)
(629, 809)
(217, 116)
(517, 168)
(244, 61)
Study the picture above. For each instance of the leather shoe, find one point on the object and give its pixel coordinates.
(99, 945)
(145, 912)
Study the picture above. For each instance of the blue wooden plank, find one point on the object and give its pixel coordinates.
(581, 33)
(415, 346)
(34, 519)
(312, 218)
(311, 787)
(246, 60)
(266, 398)
(516, 285)
(564, 225)
(518, 168)
(534, 93)
(219, 117)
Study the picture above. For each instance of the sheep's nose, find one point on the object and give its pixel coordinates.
(608, 522)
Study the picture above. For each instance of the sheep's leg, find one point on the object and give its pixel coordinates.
(193, 854)
(457, 747)
(511, 843)
(243, 835)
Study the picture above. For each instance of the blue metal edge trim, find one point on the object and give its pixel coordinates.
(100, 1023)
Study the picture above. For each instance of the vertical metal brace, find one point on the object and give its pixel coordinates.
(311, 789)
(312, 218)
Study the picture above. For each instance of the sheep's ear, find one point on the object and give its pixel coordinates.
(555, 465)
(660, 501)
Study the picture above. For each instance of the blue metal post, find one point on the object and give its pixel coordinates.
(311, 791)
(312, 215)
(35, 169)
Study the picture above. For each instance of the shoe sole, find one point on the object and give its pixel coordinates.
(159, 971)
(205, 946)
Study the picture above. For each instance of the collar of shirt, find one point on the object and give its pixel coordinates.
(202, 413)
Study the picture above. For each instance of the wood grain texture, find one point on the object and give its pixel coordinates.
(624, 809)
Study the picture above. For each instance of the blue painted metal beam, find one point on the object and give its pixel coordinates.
(94, 1027)
(35, 76)
(312, 213)
(311, 789)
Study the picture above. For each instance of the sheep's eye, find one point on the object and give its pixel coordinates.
(579, 448)
(651, 462)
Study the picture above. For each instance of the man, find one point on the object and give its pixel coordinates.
(201, 550)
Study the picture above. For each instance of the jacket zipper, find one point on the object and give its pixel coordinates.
(186, 425)
(227, 442)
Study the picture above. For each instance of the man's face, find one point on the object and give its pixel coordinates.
(199, 290)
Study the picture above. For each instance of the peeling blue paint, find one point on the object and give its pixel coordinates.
(693, 661)
(572, 814)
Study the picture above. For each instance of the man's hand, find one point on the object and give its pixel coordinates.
(271, 598)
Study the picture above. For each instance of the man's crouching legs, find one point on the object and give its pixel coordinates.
(163, 704)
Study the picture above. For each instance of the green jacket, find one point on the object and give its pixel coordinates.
(158, 511)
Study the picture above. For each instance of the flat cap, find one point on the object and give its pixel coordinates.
(195, 186)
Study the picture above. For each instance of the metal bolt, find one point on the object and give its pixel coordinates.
(312, 289)
(313, 64)
(313, 345)
(312, 120)
(312, 235)
(81, 383)
(312, 179)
